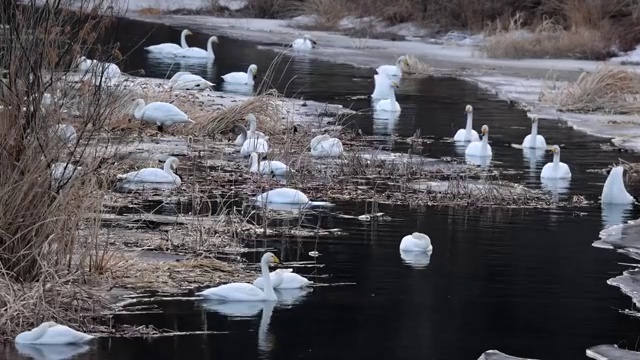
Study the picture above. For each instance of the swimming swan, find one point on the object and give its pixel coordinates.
(196, 52)
(467, 134)
(416, 242)
(614, 191)
(306, 43)
(389, 104)
(267, 166)
(533, 140)
(482, 147)
(184, 80)
(240, 77)
(287, 196)
(170, 48)
(381, 87)
(159, 113)
(155, 175)
(394, 72)
(284, 279)
(325, 146)
(50, 333)
(244, 291)
(555, 169)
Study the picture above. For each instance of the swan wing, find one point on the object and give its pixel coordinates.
(60, 335)
(293, 281)
(236, 77)
(191, 52)
(234, 292)
(163, 48)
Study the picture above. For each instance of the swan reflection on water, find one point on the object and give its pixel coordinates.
(416, 259)
(51, 352)
(615, 214)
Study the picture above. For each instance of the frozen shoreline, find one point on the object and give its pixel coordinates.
(520, 81)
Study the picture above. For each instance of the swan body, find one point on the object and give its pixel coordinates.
(326, 146)
(480, 148)
(416, 242)
(381, 89)
(184, 80)
(254, 145)
(555, 169)
(467, 134)
(109, 72)
(244, 291)
(389, 104)
(284, 279)
(61, 173)
(169, 48)
(267, 167)
(244, 134)
(614, 191)
(286, 196)
(240, 77)
(533, 140)
(155, 175)
(159, 113)
(394, 72)
(66, 133)
(306, 43)
(196, 52)
(50, 333)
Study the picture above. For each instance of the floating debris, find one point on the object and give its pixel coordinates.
(497, 355)
(611, 352)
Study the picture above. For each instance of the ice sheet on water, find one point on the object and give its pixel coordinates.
(607, 352)
(629, 283)
(624, 238)
(497, 355)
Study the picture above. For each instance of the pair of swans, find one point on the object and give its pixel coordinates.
(160, 113)
(183, 50)
(155, 175)
(250, 141)
(306, 43)
(51, 333)
(184, 80)
(326, 146)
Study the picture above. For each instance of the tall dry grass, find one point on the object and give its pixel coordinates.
(44, 261)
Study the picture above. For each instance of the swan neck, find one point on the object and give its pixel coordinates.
(268, 288)
(534, 131)
(167, 167)
(392, 95)
(210, 48)
(183, 40)
(485, 140)
(469, 126)
(556, 159)
(138, 110)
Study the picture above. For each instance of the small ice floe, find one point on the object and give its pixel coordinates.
(628, 283)
(314, 254)
(610, 352)
(497, 355)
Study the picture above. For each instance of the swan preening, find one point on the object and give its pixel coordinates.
(184, 80)
(160, 113)
(252, 143)
(555, 169)
(267, 167)
(390, 104)
(242, 78)
(416, 242)
(196, 52)
(306, 43)
(394, 72)
(467, 134)
(533, 140)
(244, 291)
(50, 333)
(381, 87)
(614, 191)
(325, 146)
(169, 48)
(155, 175)
(480, 148)
(283, 279)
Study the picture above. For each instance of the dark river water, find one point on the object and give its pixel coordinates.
(526, 282)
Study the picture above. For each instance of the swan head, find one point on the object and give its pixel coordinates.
(484, 131)
(534, 119)
(420, 236)
(213, 39)
(251, 119)
(555, 149)
(403, 60)
(173, 163)
(308, 37)
(253, 69)
(468, 109)
(186, 32)
(238, 129)
(269, 258)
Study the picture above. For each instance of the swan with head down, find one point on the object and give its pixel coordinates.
(155, 175)
(614, 191)
(306, 43)
(326, 146)
(184, 80)
(160, 113)
(51, 333)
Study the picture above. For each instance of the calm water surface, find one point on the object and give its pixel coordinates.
(527, 282)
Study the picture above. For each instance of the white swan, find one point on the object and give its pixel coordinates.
(170, 48)
(50, 333)
(61, 173)
(287, 196)
(306, 43)
(252, 122)
(614, 191)
(66, 133)
(196, 52)
(184, 80)
(416, 242)
(51, 352)
(267, 167)
(482, 147)
(159, 113)
(98, 71)
(389, 104)
(394, 72)
(244, 134)
(254, 145)
(244, 291)
(325, 146)
(240, 77)
(155, 175)
(381, 87)
(284, 279)
(467, 134)
(555, 169)
(534, 140)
